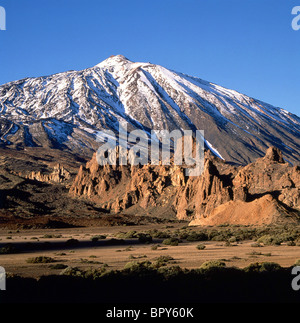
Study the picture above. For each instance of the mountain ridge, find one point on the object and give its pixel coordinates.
(66, 111)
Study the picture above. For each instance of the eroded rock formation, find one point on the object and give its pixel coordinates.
(266, 191)
(59, 175)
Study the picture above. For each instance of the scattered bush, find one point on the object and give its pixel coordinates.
(163, 261)
(138, 266)
(235, 258)
(91, 273)
(297, 262)
(197, 236)
(255, 245)
(263, 267)
(171, 241)
(232, 240)
(72, 271)
(255, 253)
(171, 271)
(291, 243)
(98, 237)
(137, 257)
(72, 242)
(200, 246)
(212, 264)
(144, 238)
(159, 234)
(114, 241)
(266, 240)
(8, 249)
(86, 261)
(40, 260)
(58, 266)
(51, 236)
(127, 235)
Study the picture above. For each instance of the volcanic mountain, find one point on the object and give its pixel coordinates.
(66, 110)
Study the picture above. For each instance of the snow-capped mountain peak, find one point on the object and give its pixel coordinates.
(66, 110)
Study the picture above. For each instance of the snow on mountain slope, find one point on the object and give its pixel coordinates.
(66, 110)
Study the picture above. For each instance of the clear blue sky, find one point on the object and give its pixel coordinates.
(246, 45)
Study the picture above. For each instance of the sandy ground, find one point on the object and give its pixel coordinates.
(186, 255)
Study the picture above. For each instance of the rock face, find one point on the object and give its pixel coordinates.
(266, 191)
(120, 188)
(59, 175)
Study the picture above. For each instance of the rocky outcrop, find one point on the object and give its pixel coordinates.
(59, 175)
(265, 191)
(264, 210)
(118, 188)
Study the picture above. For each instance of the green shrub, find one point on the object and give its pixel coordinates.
(134, 266)
(212, 264)
(197, 236)
(219, 237)
(159, 234)
(137, 257)
(171, 271)
(232, 240)
(255, 245)
(72, 242)
(266, 239)
(171, 241)
(58, 266)
(114, 241)
(40, 260)
(98, 237)
(144, 238)
(8, 249)
(263, 267)
(276, 238)
(163, 261)
(127, 235)
(291, 243)
(72, 271)
(93, 273)
(255, 253)
(200, 246)
(51, 236)
(86, 261)
(235, 258)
